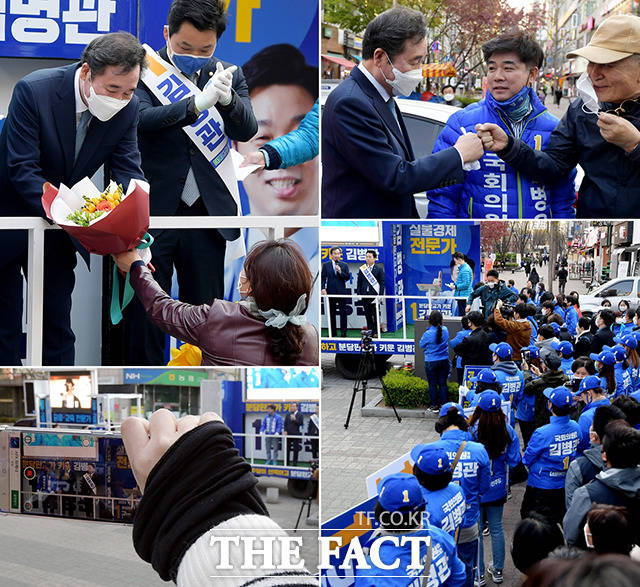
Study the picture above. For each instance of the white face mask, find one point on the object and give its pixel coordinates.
(448, 97)
(588, 94)
(491, 284)
(619, 321)
(404, 82)
(586, 537)
(104, 107)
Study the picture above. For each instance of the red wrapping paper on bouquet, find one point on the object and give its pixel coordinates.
(117, 231)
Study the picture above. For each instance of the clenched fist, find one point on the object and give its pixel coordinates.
(492, 136)
(470, 147)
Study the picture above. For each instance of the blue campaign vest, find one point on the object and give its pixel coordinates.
(565, 366)
(585, 420)
(512, 386)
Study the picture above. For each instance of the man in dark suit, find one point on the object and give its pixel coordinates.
(62, 125)
(370, 283)
(368, 166)
(292, 424)
(604, 336)
(183, 182)
(474, 348)
(334, 277)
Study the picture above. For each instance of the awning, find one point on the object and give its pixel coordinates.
(438, 70)
(632, 248)
(340, 61)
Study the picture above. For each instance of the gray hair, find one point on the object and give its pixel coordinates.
(114, 49)
(390, 30)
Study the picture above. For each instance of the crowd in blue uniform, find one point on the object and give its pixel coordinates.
(573, 390)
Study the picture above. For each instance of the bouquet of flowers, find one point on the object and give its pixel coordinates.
(112, 221)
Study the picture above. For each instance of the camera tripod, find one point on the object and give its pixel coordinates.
(366, 366)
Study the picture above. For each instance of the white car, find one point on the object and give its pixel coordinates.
(615, 290)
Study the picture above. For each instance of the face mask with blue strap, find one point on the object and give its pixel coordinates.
(186, 63)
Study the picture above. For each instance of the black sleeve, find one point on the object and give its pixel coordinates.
(200, 482)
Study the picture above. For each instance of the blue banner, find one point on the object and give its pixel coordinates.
(386, 347)
(60, 28)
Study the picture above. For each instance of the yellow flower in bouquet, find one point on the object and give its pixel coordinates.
(187, 355)
(95, 207)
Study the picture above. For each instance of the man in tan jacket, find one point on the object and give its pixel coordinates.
(518, 329)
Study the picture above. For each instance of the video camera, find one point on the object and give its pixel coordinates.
(365, 340)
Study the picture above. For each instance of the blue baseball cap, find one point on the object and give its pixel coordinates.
(534, 351)
(445, 408)
(627, 339)
(502, 349)
(555, 326)
(589, 382)
(618, 351)
(560, 397)
(489, 401)
(486, 376)
(606, 357)
(431, 459)
(564, 346)
(400, 491)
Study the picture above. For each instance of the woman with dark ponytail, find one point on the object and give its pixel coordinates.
(435, 344)
(268, 327)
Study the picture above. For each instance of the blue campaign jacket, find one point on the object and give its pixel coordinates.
(571, 320)
(497, 190)
(435, 351)
(560, 311)
(511, 457)
(549, 452)
(456, 340)
(585, 420)
(565, 365)
(624, 380)
(472, 471)
(534, 329)
(270, 427)
(464, 282)
(446, 568)
(511, 379)
(298, 146)
(445, 508)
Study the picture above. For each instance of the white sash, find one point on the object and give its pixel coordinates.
(373, 282)
(169, 85)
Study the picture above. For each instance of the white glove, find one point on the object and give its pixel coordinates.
(207, 98)
(221, 81)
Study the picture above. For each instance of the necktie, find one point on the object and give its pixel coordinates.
(81, 131)
(190, 193)
(391, 103)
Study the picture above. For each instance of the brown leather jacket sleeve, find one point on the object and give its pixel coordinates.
(178, 319)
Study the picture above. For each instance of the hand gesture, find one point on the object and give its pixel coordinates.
(124, 260)
(146, 441)
(255, 158)
(618, 131)
(470, 147)
(492, 136)
(222, 80)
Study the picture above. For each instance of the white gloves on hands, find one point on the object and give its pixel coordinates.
(218, 88)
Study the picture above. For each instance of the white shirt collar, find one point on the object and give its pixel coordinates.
(376, 84)
(80, 105)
